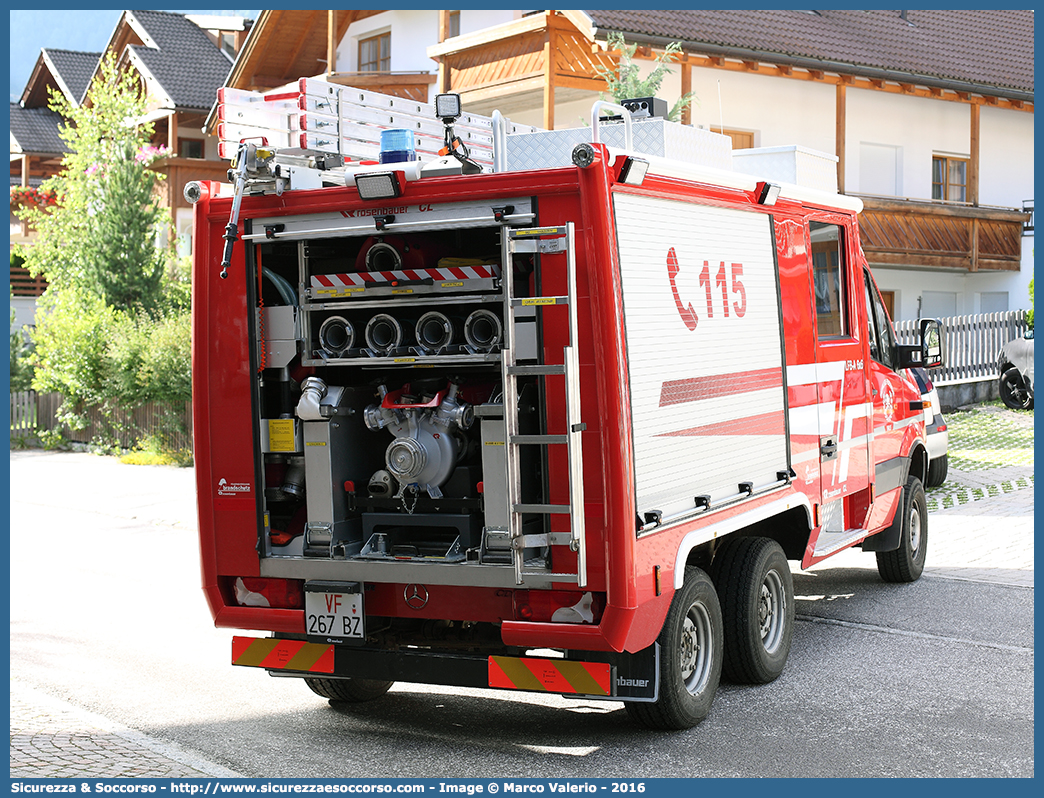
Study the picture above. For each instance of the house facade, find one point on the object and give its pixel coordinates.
(36, 154)
(181, 61)
(929, 114)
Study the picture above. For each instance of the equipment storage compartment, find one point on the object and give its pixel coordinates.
(379, 420)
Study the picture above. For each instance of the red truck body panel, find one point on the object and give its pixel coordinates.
(634, 571)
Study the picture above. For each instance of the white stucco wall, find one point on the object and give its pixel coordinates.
(1006, 157)
(916, 126)
(413, 31)
(919, 128)
(779, 111)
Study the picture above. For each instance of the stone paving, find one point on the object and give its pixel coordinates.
(51, 738)
(980, 529)
(981, 519)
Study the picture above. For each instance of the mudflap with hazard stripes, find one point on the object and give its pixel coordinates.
(276, 654)
(587, 674)
(551, 676)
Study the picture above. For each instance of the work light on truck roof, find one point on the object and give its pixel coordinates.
(768, 193)
(633, 171)
(447, 107)
(377, 185)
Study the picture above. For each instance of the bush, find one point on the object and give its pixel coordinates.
(72, 336)
(165, 373)
(110, 360)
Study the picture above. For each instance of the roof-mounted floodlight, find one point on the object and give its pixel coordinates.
(378, 185)
(455, 156)
(767, 193)
(633, 171)
(447, 107)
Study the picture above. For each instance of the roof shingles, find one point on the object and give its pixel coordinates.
(73, 68)
(35, 130)
(187, 65)
(989, 48)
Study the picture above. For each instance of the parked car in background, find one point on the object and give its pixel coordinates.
(935, 427)
(1016, 372)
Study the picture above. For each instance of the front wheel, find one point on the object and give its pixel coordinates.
(1014, 391)
(756, 592)
(906, 563)
(690, 658)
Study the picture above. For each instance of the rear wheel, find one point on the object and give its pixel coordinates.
(937, 469)
(690, 658)
(354, 691)
(756, 591)
(906, 563)
(1013, 390)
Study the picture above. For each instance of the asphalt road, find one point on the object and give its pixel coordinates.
(929, 679)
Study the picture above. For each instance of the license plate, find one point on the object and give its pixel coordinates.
(334, 613)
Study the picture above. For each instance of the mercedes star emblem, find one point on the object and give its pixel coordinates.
(416, 596)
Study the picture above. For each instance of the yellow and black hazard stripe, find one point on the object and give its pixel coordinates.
(288, 655)
(550, 675)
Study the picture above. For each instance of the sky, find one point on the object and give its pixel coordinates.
(65, 29)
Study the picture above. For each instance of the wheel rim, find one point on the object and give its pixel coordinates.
(697, 649)
(772, 604)
(915, 530)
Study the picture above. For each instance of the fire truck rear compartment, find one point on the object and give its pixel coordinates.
(380, 399)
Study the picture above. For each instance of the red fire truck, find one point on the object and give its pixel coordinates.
(552, 426)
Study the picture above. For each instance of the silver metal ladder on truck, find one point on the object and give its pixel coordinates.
(531, 240)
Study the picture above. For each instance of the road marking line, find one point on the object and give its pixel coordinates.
(869, 627)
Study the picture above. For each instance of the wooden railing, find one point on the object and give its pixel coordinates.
(938, 235)
(970, 344)
(32, 412)
(23, 284)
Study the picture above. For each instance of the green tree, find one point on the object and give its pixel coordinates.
(112, 329)
(101, 235)
(625, 83)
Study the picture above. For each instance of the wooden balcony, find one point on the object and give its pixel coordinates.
(531, 62)
(937, 235)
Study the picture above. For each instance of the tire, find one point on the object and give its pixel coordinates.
(353, 691)
(690, 658)
(937, 469)
(1014, 392)
(756, 592)
(906, 563)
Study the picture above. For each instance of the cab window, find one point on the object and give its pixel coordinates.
(828, 279)
(882, 339)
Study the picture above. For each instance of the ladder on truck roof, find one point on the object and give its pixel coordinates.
(313, 116)
(530, 240)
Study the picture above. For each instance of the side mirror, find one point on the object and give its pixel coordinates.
(931, 343)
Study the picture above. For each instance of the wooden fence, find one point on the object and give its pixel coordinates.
(32, 412)
(970, 344)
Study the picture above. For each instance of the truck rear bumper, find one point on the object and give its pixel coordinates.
(319, 660)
